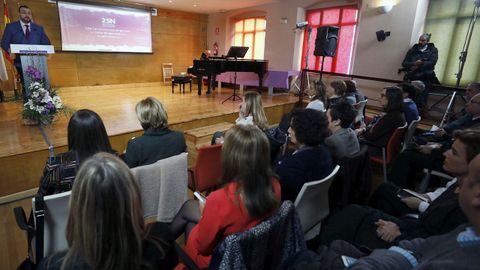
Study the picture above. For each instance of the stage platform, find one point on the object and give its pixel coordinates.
(23, 150)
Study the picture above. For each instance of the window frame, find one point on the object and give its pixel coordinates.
(253, 32)
(318, 59)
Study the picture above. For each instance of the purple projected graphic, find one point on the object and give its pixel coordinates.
(107, 29)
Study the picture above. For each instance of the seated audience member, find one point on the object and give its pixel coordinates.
(339, 90)
(364, 226)
(250, 113)
(158, 142)
(249, 195)
(430, 155)
(457, 249)
(409, 106)
(86, 136)
(105, 228)
(379, 131)
(311, 160)
(466, 145)
(466, 118)
(343, 142)
(316, 95)
(352, 93)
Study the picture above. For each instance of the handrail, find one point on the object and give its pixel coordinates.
(353, 76)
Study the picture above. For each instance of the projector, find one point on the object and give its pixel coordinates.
(301, 24)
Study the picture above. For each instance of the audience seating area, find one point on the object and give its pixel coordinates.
(165, 187)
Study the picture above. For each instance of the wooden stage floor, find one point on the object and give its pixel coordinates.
(23, 150)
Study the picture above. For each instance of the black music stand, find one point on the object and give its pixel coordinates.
(235, 52)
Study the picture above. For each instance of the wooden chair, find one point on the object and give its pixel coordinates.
(390, 152)
(208, 169)
(312, 204)
(167, 69)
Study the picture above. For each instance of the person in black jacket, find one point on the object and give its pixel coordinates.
(158, 142)
(419, 63)
(311, 160)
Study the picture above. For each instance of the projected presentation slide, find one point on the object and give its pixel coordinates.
(104, 28)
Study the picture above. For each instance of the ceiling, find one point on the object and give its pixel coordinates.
(199, 6)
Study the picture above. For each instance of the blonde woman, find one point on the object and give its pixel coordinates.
(158, 141)
(251, 113)
(105, 228)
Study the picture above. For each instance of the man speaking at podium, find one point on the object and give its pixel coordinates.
(23, 31)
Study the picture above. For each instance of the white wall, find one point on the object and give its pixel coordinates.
(371, 58)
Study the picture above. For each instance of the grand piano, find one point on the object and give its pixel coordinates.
(215, 65)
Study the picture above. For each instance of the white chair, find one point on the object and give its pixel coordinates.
(360, 107)
(167, 69)
(55, 215)
(407, 140)
(426, 179)
(312, 204)
(163, 186)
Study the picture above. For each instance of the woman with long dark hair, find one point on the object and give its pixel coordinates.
(381, 129)
(249, 194)
(86, 136)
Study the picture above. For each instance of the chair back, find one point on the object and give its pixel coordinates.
(360, 107)
(353, 182)
(208, 167)
(312, 202)
(163, 186)
(55, 215)
(265, 246)
(407, 140)
(394, 143)
(167, 69)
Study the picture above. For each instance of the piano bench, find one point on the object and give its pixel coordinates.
(181, 81)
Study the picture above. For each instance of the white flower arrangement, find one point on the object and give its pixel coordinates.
(42, 104)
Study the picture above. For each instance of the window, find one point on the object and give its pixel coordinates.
(251, 33)
(344, 17)
(448, 22)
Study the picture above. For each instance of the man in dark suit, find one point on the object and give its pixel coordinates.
(23, 31)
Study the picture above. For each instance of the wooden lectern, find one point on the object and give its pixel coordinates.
(35, 56)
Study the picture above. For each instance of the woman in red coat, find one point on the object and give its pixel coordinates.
(250, 194)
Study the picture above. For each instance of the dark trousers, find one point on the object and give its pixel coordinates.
(356, 225)
(386, 200)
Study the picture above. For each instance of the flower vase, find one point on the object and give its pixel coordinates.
(30, 122)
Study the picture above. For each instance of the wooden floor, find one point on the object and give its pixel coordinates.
(23, 150)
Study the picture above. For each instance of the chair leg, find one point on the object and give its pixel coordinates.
(425, 181)
(384, 165)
